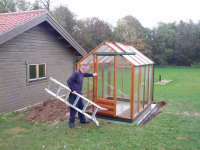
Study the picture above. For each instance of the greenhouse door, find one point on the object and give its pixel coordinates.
(104, 84)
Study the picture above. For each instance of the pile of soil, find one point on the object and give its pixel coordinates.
(51, 111)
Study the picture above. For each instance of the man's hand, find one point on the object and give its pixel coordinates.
(74, 92)
(94, 74)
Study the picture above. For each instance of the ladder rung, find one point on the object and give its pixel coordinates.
(85, 106)
(58, 91)
(76, 101)
(49, 84)
(67, 96)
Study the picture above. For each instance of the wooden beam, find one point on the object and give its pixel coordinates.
(148, 85)
(151, 83)
(132, 90)
(115, 84)
(94, 80)
(139, 89)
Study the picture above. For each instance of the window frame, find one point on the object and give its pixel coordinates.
(37, 72)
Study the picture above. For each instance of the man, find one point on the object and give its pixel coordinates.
(75, 83)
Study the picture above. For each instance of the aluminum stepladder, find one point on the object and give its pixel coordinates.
(62, 86)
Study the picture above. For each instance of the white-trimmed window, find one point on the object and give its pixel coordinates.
(37, 71)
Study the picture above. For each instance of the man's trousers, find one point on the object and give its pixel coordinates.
(80, 105)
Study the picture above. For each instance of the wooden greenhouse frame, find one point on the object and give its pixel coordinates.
(122, 70)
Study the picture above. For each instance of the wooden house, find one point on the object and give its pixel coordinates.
(33, 46)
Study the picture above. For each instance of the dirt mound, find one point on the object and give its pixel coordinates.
(161, 104)
(51, 111)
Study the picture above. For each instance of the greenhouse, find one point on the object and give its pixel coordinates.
(124, 84)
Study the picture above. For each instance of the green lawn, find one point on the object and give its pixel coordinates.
(172, 129)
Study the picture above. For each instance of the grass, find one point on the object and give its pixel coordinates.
(165, 131)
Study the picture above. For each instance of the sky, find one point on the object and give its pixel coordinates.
(148, 12)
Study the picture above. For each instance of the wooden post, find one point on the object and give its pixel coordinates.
(151, 83)
(102, 71)
(148, 86)
(115, 84)
(132, 90)
(96, 78)
(94, 81)
(123, 78)
(139, 89)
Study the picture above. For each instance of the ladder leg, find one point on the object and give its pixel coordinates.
(94, 113)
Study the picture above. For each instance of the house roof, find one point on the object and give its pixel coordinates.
(109, 47)
(13, 24)
(10, 20)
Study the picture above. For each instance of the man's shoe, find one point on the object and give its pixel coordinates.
(86, 121)
(71, 125)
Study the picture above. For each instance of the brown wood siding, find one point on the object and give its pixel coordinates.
(36, 45)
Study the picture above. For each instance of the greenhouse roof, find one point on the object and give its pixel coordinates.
(134, 56)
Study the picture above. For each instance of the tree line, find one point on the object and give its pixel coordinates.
(175, 44)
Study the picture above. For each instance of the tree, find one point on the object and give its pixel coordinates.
(7, 6)
(65, 17)
(130, 31)
(36, 5)
(14, 6)
(45, 4)
(162, 38)
(90, 32)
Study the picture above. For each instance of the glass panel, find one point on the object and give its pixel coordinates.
(91, 85)
(132, 56)
(142, 55)
(138, 55)
(89, 59)
(100, 84)
(123, 89)
(146, 85)
(150, 82)
(41, 70)
(32, 71)
(126, 56)
(108, 80)
(136, 96)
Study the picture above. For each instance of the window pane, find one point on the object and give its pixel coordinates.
(146, 85)
(41, 70)
(150, 83)
(136, 96)
(32, 71)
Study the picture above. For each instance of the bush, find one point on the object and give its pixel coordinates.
(2, 117)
